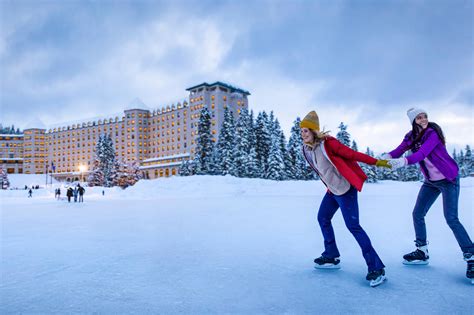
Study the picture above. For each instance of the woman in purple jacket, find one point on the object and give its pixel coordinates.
(427, 144)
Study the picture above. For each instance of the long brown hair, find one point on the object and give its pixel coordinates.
(417, 134)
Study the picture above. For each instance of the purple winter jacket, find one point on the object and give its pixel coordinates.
(431, 148)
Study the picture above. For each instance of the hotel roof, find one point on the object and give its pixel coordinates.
(230, 87)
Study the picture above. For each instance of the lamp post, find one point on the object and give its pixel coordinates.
(82, 169)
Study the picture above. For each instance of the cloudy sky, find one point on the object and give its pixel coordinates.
(360, 62)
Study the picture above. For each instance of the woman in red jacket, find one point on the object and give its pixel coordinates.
(336, 165)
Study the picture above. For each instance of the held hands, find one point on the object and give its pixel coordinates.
(397, 163)
(383, 163)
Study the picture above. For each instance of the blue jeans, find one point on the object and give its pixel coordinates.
(350, 212)
(429, 192)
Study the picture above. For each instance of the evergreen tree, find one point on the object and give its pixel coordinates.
(96, 176)
(187, 168)
(468, 161)
(253, 169)
(276, 161)
(263, 143)
(343, 136)
(369, 170)
(354, 146)
(242, 145)
(104, 164)
(460, 162)
(463, 168)
(204, 145)
(225, 144)
(4, 182)
(409, 172)
(127, 174)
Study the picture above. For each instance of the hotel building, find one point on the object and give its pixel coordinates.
(158, 139)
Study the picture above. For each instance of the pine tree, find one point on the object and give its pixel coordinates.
(343, 136)
(204, 145)
(253, 169)
(276, 161)
(354, 146)
(369, 170)
(468, 161)
(96, 176)
(4, 182)
(127, 174)
(225, 144)
(409, 172)
(301, 168)
(460, 162)
(263, 143)
(103, 173)
(242, 145)
(187, 168)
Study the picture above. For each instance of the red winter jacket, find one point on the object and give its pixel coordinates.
(344, 160)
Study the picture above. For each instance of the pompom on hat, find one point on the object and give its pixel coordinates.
(413, 112)
(311, 121)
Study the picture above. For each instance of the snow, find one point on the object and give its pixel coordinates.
(221, 245)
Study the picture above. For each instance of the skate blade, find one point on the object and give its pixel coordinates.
(416, 262)
(378, 281)
(327, 266)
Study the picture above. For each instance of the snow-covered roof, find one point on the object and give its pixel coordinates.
(136, 104)
(11, 135)
(160, 165)
(169, 157)
(36, 123)
(86, 120)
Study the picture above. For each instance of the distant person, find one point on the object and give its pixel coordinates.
(103, 192)
(69, 193)
(428, 146)
(75, 193)
(30, 193)
(59, 193)
(336, 165)
(81, 191)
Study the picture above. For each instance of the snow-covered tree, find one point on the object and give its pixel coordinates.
(243, 129)
(465, 162)
(96, 176)
(276, 160)
(225, 144)
(4, 182)
(187, 168)
(409, 172)
(354, 146)
(127, 174)
(204, 145)
(369, 170)
(263, 142)
(343, 136)
(103, 172)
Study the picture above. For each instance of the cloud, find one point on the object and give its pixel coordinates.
(71, 61)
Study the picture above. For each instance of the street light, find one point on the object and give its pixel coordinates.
(82, 169)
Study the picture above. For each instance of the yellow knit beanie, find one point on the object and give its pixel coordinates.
(311, 121)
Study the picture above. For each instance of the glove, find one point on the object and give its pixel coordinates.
(397, 163)
(385, 156)
(383, 163)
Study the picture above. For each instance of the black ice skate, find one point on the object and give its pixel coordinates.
(327, 263)
(469, 258)
(418, 257)
(376, 277)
